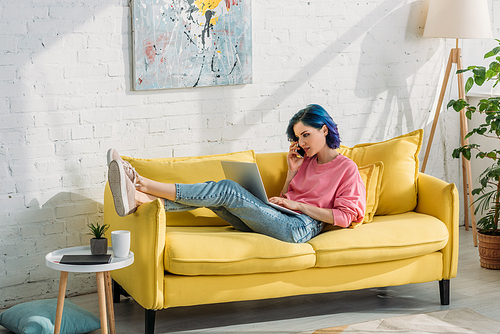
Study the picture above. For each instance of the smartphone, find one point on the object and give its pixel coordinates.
(301, 151)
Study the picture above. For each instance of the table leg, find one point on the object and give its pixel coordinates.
(101, 294)
(109, 302)
(60, 301)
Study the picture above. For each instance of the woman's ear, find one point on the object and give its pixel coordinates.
(324, 129)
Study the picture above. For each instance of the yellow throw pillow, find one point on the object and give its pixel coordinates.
(189, 170)
(398, 191)
(372, 178)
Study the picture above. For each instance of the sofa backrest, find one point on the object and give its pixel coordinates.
(273, 169)
(389, 169)
(189, 170)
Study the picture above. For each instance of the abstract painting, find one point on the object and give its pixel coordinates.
(191, 43)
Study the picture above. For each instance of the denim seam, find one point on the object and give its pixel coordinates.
(223, 193)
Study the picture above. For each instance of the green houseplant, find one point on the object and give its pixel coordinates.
(488, 194)
(98, 244)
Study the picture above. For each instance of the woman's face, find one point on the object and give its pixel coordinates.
(312, 140)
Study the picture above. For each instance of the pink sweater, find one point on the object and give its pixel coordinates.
(336, 185)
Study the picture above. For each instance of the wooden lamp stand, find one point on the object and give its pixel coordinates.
(456, 58)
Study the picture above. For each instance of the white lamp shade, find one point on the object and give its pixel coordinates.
(458, 19)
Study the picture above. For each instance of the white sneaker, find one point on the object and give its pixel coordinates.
(127, 167)
(122, 189)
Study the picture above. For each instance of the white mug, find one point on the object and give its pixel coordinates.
(120, 241)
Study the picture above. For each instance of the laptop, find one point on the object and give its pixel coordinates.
(248, 176)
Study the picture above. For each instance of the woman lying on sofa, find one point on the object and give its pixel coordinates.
(324, 186)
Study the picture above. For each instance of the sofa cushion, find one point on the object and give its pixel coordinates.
(189, 170)
(398, 192)
(388, 238)
(372, 178)
(38, 316)
(222, 250)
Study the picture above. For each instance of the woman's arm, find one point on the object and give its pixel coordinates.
(321, 214)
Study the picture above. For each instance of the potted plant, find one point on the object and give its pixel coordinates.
(98, 244)
(488, 194)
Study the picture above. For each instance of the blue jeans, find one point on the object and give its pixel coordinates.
(244, 211)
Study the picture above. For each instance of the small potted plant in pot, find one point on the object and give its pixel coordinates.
(98, 244)
(488, 194)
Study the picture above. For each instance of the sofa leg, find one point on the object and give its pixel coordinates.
(444, 291)
(118, 291)
(150, 321)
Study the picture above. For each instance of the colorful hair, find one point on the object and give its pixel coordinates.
(315, 116)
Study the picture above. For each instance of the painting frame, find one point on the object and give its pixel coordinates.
(191, 43)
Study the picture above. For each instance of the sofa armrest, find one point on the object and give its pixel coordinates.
(143, 280)
(440, 199)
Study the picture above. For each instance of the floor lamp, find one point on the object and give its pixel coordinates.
(457, 19)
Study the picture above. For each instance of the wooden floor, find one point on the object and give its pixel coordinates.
(474, 288)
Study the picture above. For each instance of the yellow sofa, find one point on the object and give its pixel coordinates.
(409, 235)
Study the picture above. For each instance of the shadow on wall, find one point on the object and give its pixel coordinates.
(388, 71)
(59, 223)
(50, 146)
(381, 68)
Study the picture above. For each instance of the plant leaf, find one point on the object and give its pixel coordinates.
(459, 104)
(492, 52)
(490, 74)
(468, 113)
(469, 84)
(466, 153)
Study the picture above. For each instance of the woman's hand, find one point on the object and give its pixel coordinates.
(294, 160)
(287, 203)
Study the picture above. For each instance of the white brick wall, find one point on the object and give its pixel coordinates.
(65, 98)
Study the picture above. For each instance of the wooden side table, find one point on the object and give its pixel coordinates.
(103, 282)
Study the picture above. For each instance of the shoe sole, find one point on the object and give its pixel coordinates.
(109, 156)
(118, 188)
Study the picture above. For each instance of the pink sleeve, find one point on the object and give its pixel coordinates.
(350, 204)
